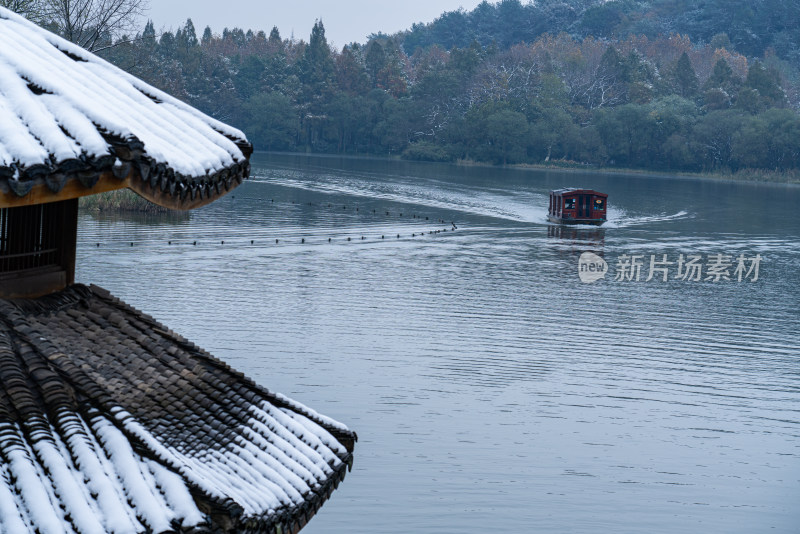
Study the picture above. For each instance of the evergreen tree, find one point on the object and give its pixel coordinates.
(722, 77)
(316, 67)
(316, 71)
(275, 38)
(767, 83)
(207, 36)
(375, 60)
(602, 20)
(611, 78)
(684, 78)
(248, 79)
(149, 35)
(613, 65)
(270, 121)
(166, 45)
(466, 60)
(189, 35)
(722, 87)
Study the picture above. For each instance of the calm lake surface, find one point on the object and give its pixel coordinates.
(490, 388)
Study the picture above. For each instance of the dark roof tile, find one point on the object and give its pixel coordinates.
(157, 427)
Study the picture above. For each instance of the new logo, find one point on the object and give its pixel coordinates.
(591, 267)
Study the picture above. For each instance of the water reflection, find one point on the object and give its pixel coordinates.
(142, 218)
(577, 237)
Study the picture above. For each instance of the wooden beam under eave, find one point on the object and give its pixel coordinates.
(41, 194)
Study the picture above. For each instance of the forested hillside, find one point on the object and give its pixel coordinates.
(667, 101)
(751, 27)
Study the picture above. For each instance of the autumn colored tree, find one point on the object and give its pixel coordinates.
(351, 74)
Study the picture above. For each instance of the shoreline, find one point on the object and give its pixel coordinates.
(755, 176)
(120, 201)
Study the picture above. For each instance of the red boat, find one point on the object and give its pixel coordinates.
(577, 206)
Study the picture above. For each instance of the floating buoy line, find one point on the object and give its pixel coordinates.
(300, 241)
(310, 241)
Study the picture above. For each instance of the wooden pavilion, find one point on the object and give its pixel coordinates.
(109, 421)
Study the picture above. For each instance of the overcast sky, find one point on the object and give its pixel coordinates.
(345, 20)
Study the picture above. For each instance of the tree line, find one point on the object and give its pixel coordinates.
(663, 103)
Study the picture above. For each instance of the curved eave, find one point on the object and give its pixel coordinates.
(289, 520)
(180, 193)
(154, 181)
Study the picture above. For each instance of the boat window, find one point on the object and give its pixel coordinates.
(599, 204)
(569, 203)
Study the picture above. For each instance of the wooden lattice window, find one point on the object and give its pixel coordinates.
(37, 248)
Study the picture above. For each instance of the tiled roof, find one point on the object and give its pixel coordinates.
(110, 422)
(70, 119)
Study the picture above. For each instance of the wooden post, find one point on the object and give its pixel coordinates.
(69, 237)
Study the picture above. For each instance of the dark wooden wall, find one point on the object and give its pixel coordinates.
(37, 248)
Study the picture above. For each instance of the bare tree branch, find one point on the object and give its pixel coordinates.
(30, 9)
(92, 24)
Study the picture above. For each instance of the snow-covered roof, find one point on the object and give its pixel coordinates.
(110, 422)
(68, 116)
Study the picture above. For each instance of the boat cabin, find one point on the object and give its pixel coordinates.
(577, 206)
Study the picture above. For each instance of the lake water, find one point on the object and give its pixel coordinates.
(490, 388)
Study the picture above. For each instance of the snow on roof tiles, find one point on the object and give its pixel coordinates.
(109, 422)
(64, 110)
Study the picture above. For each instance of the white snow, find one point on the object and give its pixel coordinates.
(10, 517)
(176, 494)
(275, 461)
(99, 476)
(84, 477)
(66, 488)
(16, 142)
(151, 510)
(36, 503)
(324, 436)
(302, 408)
(77, 124)
(81, 96)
